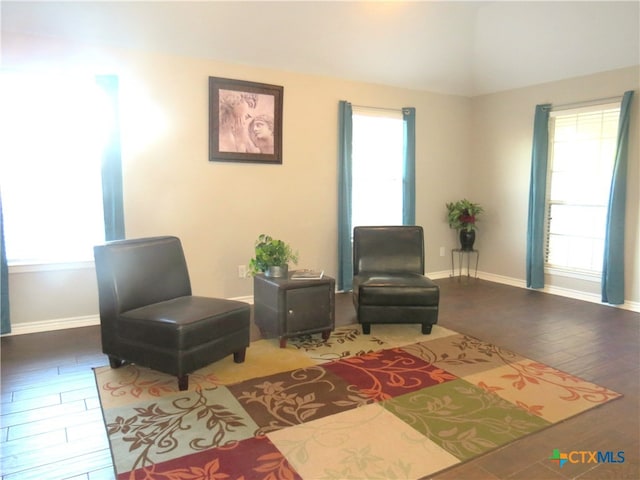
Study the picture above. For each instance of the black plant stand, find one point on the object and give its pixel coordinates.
(461, 252)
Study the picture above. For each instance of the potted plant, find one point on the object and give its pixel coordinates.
(272, 257)
(462, 216)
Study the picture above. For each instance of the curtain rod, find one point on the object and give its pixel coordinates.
(379, 108)
(587, 103)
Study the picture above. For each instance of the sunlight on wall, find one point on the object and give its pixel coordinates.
(143, 121)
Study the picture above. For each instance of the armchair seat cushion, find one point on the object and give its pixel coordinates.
(401, 289)
(184, 322)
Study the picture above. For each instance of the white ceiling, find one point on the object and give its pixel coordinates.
(464, 48)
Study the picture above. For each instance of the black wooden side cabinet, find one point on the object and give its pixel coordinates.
(285, 307)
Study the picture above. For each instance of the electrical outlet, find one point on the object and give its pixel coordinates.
(442, 252)
(242, 271)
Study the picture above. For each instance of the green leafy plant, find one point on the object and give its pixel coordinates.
(271, 252)
(463, 214)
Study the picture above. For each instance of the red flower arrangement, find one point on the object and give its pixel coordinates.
(462, 215)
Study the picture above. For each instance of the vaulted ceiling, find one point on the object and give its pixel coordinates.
(462, 48)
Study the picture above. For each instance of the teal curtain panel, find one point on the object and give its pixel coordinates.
(112, 191)
(537, 193)
(5, 324)
(345, 256)
(613, 264)
(409, 164)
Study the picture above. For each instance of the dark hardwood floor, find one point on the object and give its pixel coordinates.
(51, 424)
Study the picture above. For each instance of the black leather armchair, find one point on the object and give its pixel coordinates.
(149, 317)
(389, 285)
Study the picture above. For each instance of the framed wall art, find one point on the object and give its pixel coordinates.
(245, 121)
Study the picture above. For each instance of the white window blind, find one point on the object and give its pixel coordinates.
(582, 150)
(377, 166)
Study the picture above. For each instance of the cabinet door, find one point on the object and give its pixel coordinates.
(308, 309)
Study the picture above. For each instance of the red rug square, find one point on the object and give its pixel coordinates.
(389, 373)
(254, 458)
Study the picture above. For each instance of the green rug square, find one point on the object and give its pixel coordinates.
(463, 419)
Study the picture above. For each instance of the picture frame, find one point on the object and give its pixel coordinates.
(245, 121)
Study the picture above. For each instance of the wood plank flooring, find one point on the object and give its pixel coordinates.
(51, 424)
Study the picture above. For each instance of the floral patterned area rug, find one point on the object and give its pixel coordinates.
(393, 404)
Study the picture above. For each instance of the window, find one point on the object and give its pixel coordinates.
(54, 131)
(581, 157)
(377, 163)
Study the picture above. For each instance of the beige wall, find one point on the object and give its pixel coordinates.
(500, 168)
(218, 209)
(476, 148)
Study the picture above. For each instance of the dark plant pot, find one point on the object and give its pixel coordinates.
(277, 271)
(467, 239)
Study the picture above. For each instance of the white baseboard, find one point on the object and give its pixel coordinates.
(440, 274)
(54, 324)
(246, 298)
(91, 320)
(563, 292)
(514, 282)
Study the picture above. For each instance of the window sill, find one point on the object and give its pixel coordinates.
(49, 267)
(580, 275)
